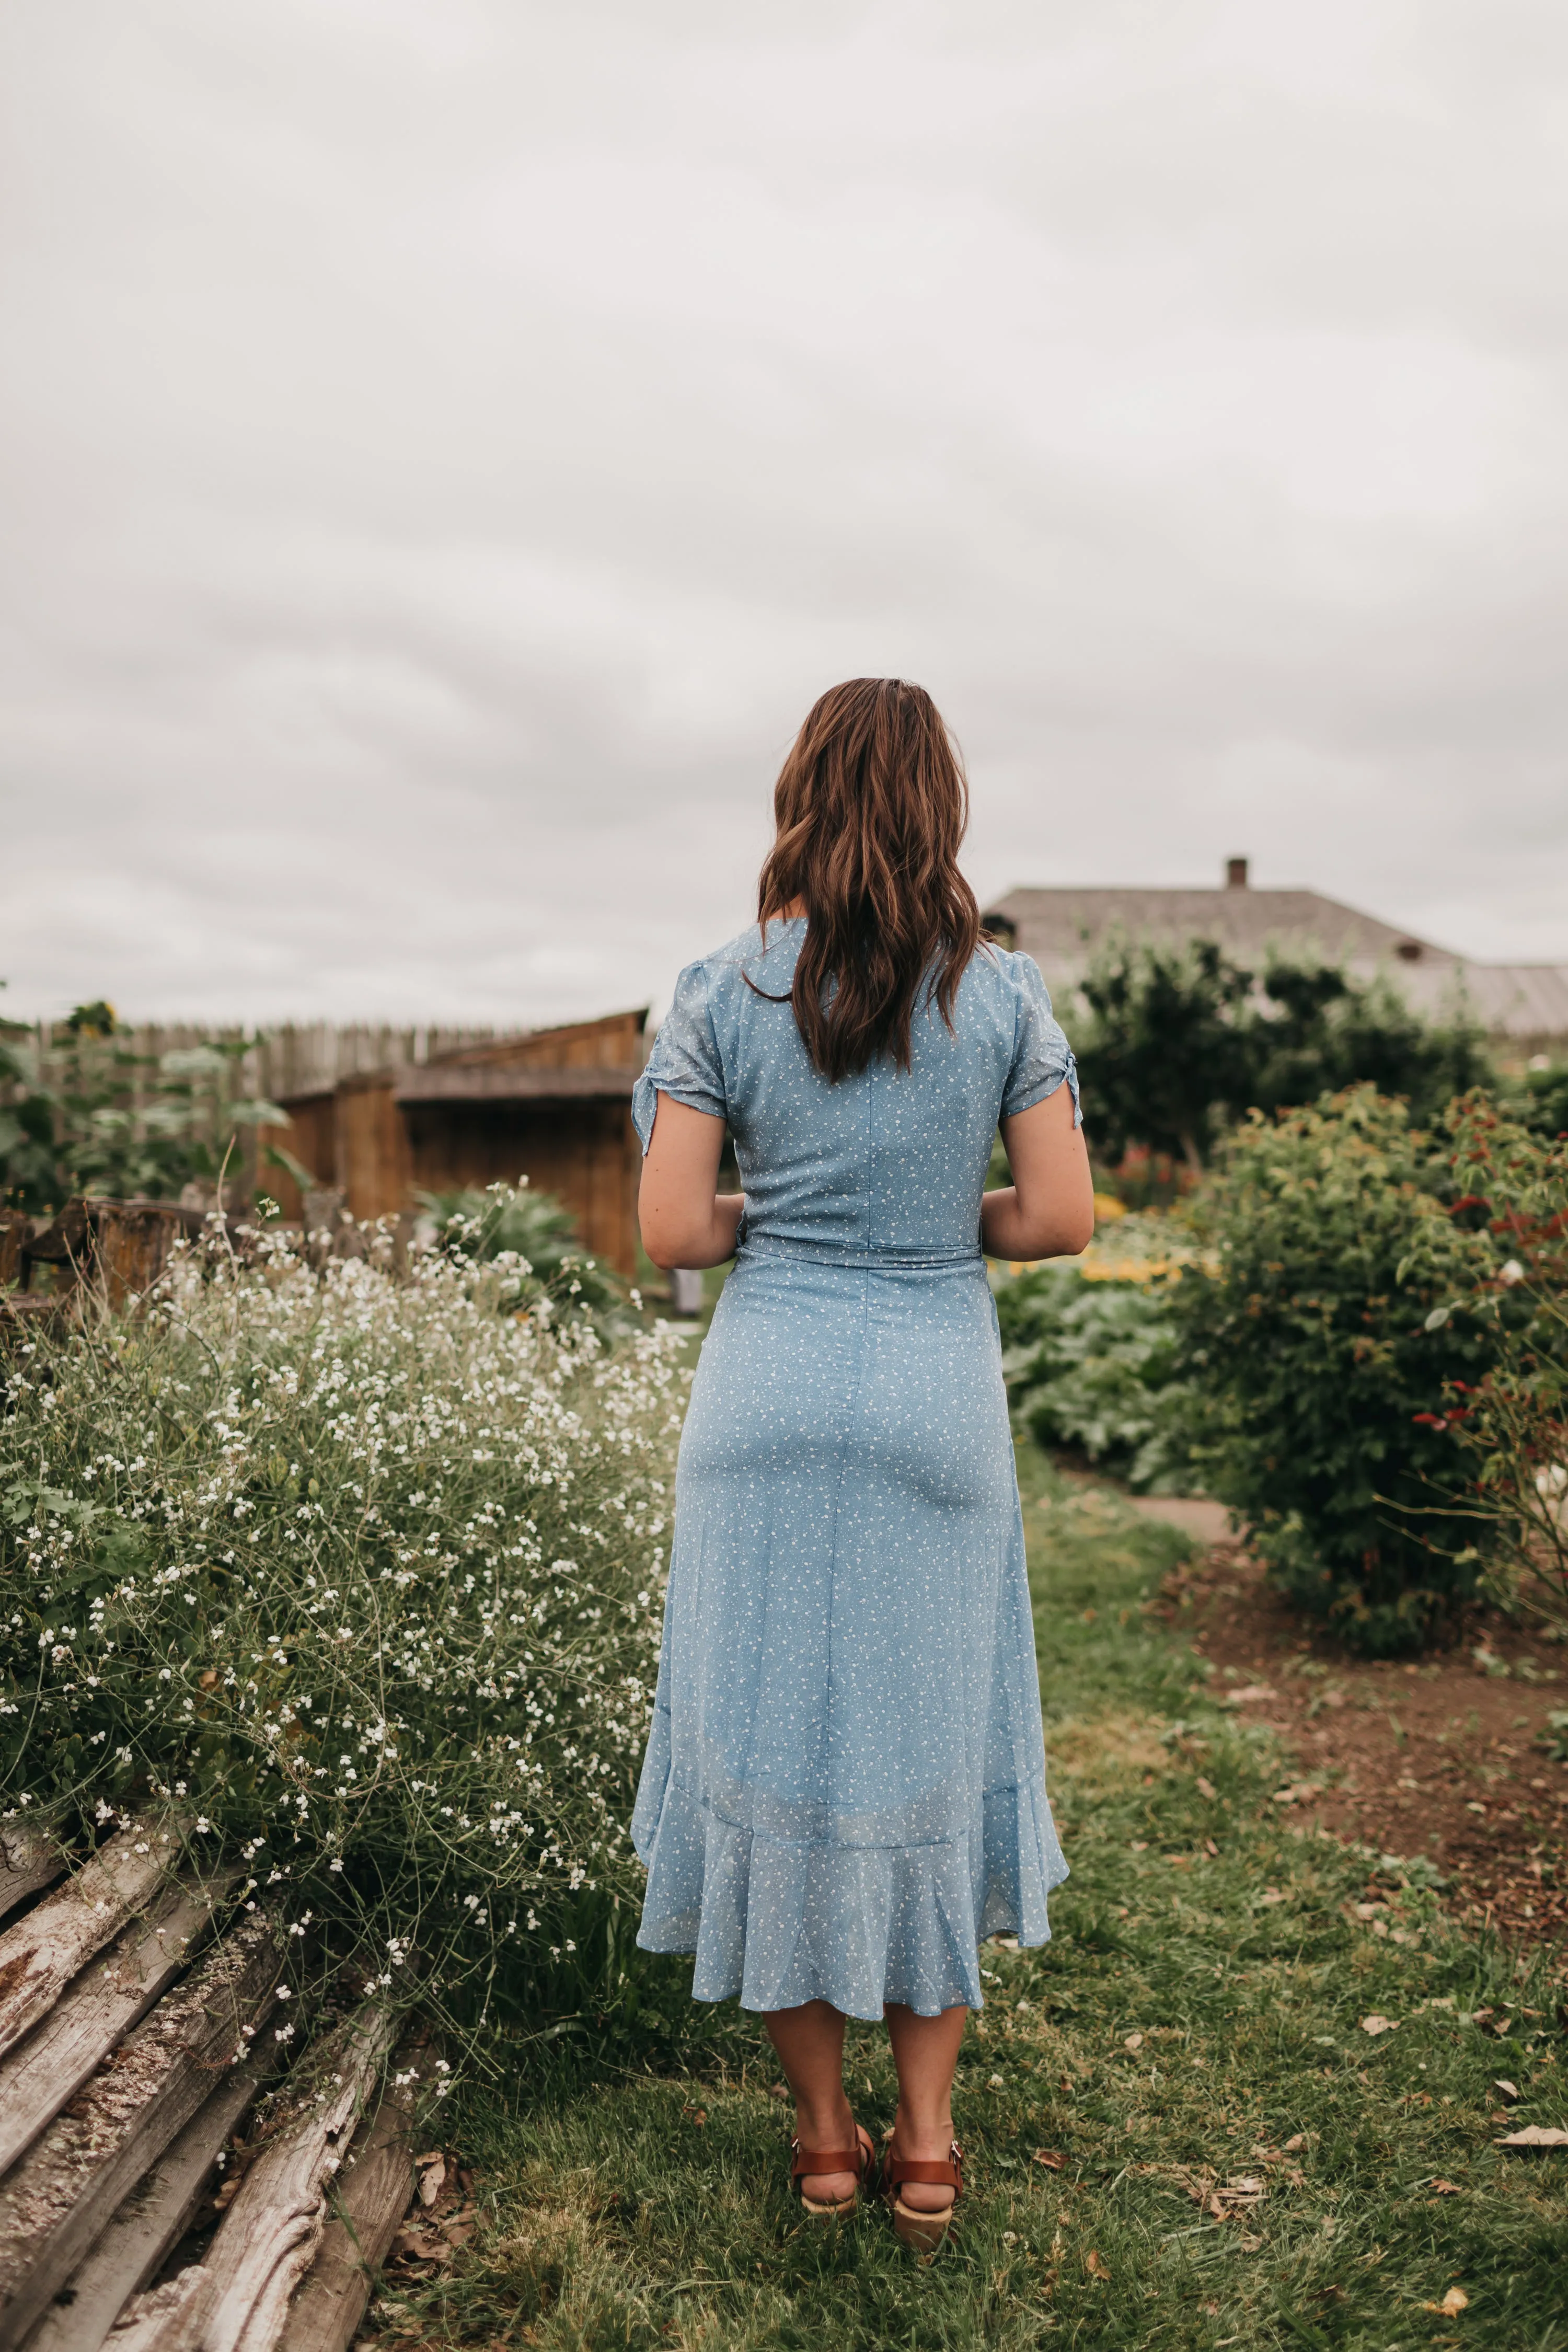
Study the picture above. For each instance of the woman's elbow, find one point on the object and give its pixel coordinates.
(1078, 1236)
(662, 1248)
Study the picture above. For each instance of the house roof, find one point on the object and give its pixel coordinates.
(1062, 929)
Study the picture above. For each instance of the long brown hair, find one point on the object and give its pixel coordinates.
(871, 806)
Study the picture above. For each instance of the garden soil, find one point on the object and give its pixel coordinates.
(1448, 1758)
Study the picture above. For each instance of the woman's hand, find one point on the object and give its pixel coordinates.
(1048, 1210)
(684, 1220)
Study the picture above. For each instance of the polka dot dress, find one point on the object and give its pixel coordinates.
(845, 1784)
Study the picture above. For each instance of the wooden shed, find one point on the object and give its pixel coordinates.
(553, 1105)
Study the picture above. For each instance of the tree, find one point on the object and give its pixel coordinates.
(1182, 1042)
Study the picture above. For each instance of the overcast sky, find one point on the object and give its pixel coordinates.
(447, 443)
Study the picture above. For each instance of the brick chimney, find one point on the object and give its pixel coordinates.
(1235, 872)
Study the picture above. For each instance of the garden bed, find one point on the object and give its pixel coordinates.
(1449, 1756)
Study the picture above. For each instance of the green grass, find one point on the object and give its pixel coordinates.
(636, 2189)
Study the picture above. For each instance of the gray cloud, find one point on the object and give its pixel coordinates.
(448, 443)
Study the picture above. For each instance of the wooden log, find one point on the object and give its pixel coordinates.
(40, 1955)
(151, 2221)
(237, 2299)
(132, 1241)
(30, 1857)
(372, 2195)
(66, 1243)
(15, 1232)
(57, 2200)
(96, 2012)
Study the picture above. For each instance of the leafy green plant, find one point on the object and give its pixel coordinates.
(356, 1579)
(1181, 1042)
(1092, 1365)
(93, 1115)
(1348, 1283)
(512, 1221)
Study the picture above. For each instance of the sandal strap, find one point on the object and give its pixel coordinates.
(828, 2160)
(897, 2169)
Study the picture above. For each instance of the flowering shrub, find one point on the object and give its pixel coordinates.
(1511, 1427)
(1350, 1281)
(358, 1576)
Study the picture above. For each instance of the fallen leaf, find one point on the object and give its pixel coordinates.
(1095, 2266)
(1376, 2025)
(694, 2115)
(432, 2176)
(416, 2243)
(1242, 2190)
(1446, 2188)
(1051, 2158)
(1140, 1845)
(1509, 2090)
(1536, 2135)
(1297, 2140)
(1269, 1894)
(1210, 1848)
(1453, 2302)
(1206, 1788)
(1245, 1697)
(1133, 2042)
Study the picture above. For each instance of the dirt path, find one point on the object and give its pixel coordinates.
(1450, 1758)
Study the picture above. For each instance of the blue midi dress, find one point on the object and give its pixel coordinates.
(844, 1789)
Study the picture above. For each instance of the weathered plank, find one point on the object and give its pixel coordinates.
(95, 2013)
(237, 2299)
(152, 2219)
(39, 1956)
(55, 2202)
(29, 1858)
(372, 2195)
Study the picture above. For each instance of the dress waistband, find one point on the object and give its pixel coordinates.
(758, 1249)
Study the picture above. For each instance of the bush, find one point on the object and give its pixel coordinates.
(1348, 1285)
(1543, 1101)
(359, 1579)
(1512, 1426)
(1091, 1364)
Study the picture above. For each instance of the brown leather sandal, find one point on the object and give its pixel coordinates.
(860, 2159)
(923, 2232)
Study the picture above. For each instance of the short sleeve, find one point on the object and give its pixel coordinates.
(684, 1062)
(1042, 1058)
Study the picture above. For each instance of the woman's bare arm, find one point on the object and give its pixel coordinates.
(685, 1220)
(1048, 1210)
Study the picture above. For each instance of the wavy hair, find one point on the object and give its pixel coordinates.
(871, 806)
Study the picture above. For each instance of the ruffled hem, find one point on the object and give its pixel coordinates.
(777, 1922)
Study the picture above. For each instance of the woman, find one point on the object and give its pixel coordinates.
(844, 1789)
